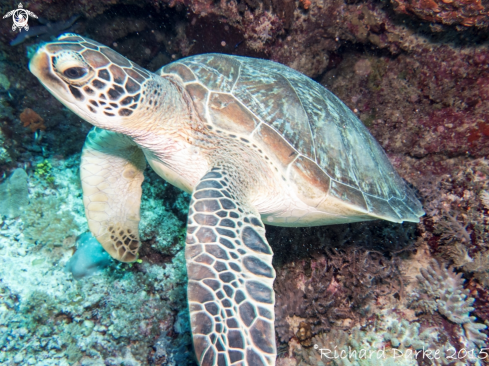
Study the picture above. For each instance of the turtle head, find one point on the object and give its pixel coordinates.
(92, 80)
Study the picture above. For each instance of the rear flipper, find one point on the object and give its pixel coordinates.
(230, 289)
(112, 173)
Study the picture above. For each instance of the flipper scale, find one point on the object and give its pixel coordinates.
(229, 265)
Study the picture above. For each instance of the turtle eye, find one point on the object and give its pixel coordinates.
(71, 67)
(75, 72)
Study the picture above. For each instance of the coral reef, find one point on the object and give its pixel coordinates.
(457, 223)
(14, 194)
(386, 340)
(32, 120)
(442, 290)
(89, 258)
(419, 82)
(336, 290)
(466, 13)
(127, 314)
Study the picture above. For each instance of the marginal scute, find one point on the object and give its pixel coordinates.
(311, 182)
(276, 144)
(380, 207)
(140, 70)
(349, 195)
(413, 203)
(230, 115)
(402, 209)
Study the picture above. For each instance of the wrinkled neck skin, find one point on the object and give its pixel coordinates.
(163, 115)
(168, 130)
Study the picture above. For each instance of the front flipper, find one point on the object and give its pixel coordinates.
(111, 174)
(230, 289)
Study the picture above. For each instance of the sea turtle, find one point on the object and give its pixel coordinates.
(252, 140)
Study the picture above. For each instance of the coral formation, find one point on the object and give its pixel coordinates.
(32, 120)
(385, 340)
(14, 194)
(336, 290)
(442, 290)
(422, 88)
(113, 317)
(457, 221)
(467, 13)
(89, 258)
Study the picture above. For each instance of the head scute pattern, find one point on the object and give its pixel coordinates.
(114, 83)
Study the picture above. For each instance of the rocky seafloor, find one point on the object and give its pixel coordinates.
(415, 72)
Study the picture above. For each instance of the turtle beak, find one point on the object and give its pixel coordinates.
(38, 63)
(41, 67)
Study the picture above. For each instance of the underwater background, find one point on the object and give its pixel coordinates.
(415, 72)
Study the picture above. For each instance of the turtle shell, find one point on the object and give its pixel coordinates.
(331, 158)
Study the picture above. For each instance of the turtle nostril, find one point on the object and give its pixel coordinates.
(75, 72)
